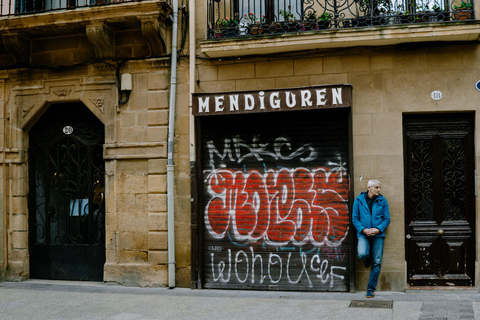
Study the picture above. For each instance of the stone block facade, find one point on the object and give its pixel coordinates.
(386, 84)
(134, 152)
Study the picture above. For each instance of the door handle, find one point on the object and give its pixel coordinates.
(408, 236)
(440, 232)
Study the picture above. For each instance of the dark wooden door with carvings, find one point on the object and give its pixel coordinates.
(439, 199)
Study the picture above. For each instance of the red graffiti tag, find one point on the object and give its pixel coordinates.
(280, 207)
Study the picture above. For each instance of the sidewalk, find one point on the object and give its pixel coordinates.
(60, 300)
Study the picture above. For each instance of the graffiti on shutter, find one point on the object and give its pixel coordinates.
(275, 202)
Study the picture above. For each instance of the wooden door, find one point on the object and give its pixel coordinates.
(439, 199)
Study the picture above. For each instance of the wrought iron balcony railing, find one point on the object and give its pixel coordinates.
(241, 18)
(19, 7)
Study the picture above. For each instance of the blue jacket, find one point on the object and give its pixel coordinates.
(362, 219)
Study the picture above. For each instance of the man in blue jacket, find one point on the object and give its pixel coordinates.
(371, 217)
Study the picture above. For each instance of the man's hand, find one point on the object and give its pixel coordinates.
(370, 232)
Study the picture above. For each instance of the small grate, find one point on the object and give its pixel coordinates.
(371, 304)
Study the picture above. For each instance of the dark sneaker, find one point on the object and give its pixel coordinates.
(370, 294)
(367, 262)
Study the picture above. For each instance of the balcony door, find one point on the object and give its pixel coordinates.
(24, 6)
(269, 10)
(440, 199)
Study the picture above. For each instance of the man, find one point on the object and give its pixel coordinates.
(371, 217)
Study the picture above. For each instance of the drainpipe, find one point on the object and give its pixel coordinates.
(192, 69)
(170, 165)
(192, 58)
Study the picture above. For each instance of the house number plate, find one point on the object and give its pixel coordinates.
(67, 130)
(436, 95)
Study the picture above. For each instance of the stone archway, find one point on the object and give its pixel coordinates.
(24, 105)
(66, 199)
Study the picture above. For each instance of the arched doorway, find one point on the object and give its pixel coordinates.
(66, 194)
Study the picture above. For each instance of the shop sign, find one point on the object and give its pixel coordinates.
(320, 97)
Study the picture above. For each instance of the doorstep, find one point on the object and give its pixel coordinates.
(442, 289)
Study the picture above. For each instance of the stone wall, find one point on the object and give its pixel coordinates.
(136, 198)
(135, 153)
(387, 82)
(3, 235)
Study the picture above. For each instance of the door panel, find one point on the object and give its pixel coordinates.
(439, 199)
(66, 202)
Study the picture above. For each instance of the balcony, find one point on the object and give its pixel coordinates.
(22, 7)
(26, 26)
(270, 26)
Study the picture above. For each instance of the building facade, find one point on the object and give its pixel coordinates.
(85, 99)
(282, 154)
(282, 111)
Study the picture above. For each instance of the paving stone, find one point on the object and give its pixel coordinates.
(39, 299)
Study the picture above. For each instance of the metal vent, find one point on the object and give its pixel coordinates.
(371, 304)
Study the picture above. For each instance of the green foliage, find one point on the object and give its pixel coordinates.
(287, 15)
(324, 17)
(464, 6)
(250, 19)
(228, 23)
(311, 15)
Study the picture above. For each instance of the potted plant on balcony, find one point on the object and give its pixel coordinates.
(255, 27)
(403, 15)
(310, 22)
(423, 13)
(370, 12)
(287, 15)
(462, 11)
(289, 23)
(227, 27)
(314, 22)
(323, 21)
(440, 14)
(435, 14)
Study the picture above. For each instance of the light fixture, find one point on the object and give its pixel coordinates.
(125, 88)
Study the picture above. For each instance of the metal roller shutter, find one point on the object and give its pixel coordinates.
(274, 201)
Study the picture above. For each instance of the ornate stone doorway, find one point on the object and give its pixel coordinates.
(66, 194)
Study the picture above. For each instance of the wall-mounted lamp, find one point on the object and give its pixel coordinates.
(125, 88)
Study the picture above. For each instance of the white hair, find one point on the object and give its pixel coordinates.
(373, 182)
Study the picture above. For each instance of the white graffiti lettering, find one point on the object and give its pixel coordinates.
(245, 267)
(304, 269)
(256, 257)
(221, 268)
(279, 207)
(274, 263)
(237, 150)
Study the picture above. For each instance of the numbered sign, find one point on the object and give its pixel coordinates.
(68, 130)
(436, 95)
